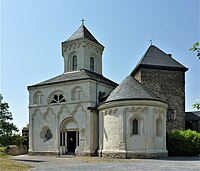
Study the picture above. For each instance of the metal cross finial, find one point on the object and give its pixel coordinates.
(151, 40)
(82, 21)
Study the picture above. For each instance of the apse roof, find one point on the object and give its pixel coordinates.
(157, 59)
(82, 32)
(130, 89)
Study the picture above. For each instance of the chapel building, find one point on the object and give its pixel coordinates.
(84, 113)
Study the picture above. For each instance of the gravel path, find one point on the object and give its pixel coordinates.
(71, 163)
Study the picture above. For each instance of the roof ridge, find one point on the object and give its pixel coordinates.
(82, 32)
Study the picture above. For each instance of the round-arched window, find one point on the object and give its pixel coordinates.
(74, 63)
(91, 64)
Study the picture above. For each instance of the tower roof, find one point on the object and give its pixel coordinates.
(157, 59)
(82, 32)
(131, 89)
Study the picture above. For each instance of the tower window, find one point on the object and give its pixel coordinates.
(135, 127)
(74, 65)
(91, 64)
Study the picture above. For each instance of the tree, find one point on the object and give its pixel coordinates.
(196, 48)
(7, 128)
(196, 105)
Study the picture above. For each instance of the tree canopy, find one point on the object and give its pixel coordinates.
(7, 128)
(196, 48)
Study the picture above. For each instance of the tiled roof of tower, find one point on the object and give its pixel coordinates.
(76, 76)
(157, 59)
(131, 89)
(82, 32)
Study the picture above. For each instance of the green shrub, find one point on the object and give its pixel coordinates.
(2, 151)
(183, 143)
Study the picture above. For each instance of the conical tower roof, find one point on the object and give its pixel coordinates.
(82, 32)
(131, 89)
(157, 59)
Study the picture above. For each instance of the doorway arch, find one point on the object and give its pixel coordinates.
(69, 136)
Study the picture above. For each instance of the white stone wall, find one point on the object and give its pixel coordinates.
(116, 127)
(52, 115)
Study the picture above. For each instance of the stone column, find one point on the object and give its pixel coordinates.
(164, 130)
(150, 130)
(30, 133)
(56, 136)
(121, 132)
(100, 133)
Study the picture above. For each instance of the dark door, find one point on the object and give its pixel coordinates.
(71, 141)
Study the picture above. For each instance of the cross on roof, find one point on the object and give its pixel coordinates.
(151, 40)
(82, 21)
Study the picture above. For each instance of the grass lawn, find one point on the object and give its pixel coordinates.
(7, 164)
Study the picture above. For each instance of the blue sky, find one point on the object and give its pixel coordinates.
(32, 32)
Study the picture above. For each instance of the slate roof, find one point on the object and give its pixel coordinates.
(82, 32)
(157, 59)
(75, 76)
(192, 116)
(130, 89)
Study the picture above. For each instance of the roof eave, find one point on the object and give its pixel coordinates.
(158, 67)
(75, 40)
(64, 81)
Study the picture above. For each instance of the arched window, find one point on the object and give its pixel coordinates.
(74, 63)
(77, 93)
(159, 127)
(38, 98)
(57, 98)
(135, 127)
(91, 64)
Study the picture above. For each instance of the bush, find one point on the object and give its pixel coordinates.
(183, 143)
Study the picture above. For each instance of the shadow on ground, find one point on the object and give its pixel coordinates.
(181, 158)
(33, 161)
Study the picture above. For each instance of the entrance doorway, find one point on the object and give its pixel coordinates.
(69, 136)
(71, 141)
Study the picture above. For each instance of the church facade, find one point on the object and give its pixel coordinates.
(84, 113)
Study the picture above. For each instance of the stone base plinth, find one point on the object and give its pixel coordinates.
(130, 154)
(43, 153)
(146, 155)
(114, 154)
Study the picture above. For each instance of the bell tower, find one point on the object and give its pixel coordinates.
(165, 76)
(82, 51)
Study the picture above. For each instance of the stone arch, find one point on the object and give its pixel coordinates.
(136, 118)
(69, 135)
(69, 124)
(77, 107)
(47, 112)
(62, 109)
(36, 111)
(59, 94)
(38, 97)
(77, 93)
